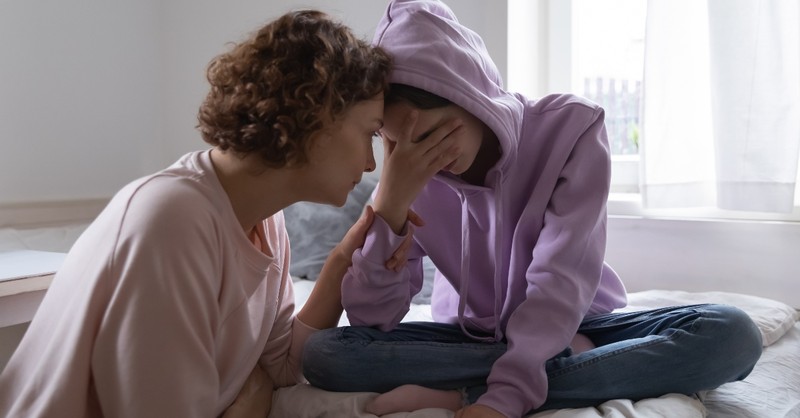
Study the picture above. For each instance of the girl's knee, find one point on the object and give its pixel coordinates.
(319, 356)
(741, 336)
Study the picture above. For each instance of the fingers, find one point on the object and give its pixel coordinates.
(361, 226)
(415, 219)
(398, 260)
(400, 256)
(368, 215)
(354, 237)
(409, 124)
(388, 147)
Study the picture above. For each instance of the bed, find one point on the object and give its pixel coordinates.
(772, 390)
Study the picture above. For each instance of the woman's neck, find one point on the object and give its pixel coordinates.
(255, 191)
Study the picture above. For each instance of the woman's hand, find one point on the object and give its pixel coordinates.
(355, 237)
(255, 397)
(478, 411)
(324, 305)
(409, 165)
(400, 256)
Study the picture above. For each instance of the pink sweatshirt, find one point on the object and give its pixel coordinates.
(161, 309)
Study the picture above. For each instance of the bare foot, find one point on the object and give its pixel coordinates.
(409, 398)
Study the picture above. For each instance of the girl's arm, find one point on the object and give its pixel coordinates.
(324, 306)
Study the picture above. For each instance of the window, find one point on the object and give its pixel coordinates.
(595, 48)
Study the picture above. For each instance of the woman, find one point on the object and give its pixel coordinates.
(179, 292)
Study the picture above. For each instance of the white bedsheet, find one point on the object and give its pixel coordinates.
(771, 391)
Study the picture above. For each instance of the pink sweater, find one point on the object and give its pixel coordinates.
(161, 309)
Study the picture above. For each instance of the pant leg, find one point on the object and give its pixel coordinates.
(639, 355)
(648, 354)
(439, 356)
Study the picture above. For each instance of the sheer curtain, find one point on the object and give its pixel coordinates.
(721, 105)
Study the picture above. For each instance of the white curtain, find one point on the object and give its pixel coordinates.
(721, 105)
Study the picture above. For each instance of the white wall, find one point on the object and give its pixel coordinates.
(94, 94)
(79, 102)
(752, 257)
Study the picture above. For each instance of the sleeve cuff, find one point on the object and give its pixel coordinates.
(382, 242)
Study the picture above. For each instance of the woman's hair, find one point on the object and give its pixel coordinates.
(418, 98)
(297, 74)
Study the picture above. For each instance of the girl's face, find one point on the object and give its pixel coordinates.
(469, 137)
(342, 152)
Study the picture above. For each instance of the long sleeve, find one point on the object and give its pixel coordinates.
(562, 279)
(162, 308)
(154, 350)
(373, 295)
(282, 355)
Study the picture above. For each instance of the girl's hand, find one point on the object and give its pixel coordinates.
(478, 411)
(400, 256)
(255, 397)
(409, 165)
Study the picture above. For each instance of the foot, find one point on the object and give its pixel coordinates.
(408, 398)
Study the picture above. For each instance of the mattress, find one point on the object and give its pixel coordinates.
(772, 390)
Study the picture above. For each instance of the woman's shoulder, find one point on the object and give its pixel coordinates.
(165, 204)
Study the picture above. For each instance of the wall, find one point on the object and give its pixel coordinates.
(753, 257)
(94, 94)
(78, 97)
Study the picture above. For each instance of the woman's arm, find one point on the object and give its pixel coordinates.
(324, 306)
(255, 398)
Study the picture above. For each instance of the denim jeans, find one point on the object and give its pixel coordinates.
(638, 355)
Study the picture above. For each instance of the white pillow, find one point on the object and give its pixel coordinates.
(773, 318)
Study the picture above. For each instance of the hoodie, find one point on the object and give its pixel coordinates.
(520, 257)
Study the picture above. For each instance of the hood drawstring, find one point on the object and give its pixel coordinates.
(499, 284)
(465, 270)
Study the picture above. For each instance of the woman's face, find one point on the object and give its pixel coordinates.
(469, 137)
(342, 152)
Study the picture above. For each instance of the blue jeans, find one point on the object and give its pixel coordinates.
(638, 355)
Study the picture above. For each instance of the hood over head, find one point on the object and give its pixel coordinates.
(434, 52)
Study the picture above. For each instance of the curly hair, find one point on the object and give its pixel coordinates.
(270, 93)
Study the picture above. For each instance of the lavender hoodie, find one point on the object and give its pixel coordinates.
(520, 258)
